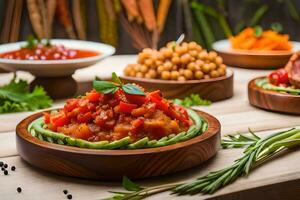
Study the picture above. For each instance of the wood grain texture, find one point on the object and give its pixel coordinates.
(272, 100)
(113, 164)
(215, 89)
(254, 61)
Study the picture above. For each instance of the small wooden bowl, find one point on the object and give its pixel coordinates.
(214, 89)
(272, 100)
(252, 59)
(113, 164)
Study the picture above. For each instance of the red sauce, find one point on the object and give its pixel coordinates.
(53, 52)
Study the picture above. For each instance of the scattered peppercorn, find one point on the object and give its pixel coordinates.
(65, 191)
(5, 172)
(1, 163)
(13, 168)
(69, 196)
(5, 165)
(2, 168)
(19, 189)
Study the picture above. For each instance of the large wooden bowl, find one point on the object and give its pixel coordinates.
(252, 59)
(113, 164)
(272, 100)
(214, 89)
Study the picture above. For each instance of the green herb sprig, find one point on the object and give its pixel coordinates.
(32, 42)
(107, 87)
(192, 100)
(16, 97)
(258, 151)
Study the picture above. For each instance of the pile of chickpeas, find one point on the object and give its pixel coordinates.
(185, 61)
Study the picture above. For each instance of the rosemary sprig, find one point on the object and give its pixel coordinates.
(258, 151)
(239, 140)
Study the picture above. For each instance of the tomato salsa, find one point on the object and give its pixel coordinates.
(115, 113)
(47, 52)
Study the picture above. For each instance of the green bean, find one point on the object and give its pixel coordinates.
(139, 144)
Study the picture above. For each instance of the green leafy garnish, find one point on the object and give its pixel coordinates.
(192, 100)
(277, 27)
(32, 42)
(258, 151)
(107, 87)
(258, 31)
(16, 97)
(129, 185)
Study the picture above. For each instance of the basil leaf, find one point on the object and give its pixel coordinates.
(258, 31)
(132, 89)
(104, 86)
(115, 78)
(129, 185)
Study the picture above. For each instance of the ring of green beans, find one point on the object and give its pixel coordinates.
(265, 84)
(38, 129)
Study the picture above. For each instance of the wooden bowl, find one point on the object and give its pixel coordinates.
(113, 164)
(272, 100)
(214, 89)
(253, 59)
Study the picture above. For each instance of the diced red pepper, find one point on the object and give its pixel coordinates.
(156, 98)
(279, 76)
(93, 96)
(84, 117)
(46, 118)
(126, 107)
(71, 104)
(59, 120)
(136, 99)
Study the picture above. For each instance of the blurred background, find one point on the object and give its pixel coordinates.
(129, 29)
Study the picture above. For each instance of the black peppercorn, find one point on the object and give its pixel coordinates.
(5, 172)
(19, 189)
(65, 191)
(13, 168)
(1, 163)
(2, 168)
(5, 165)
(69, 196)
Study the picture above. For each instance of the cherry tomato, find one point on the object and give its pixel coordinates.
(279, 76)
(93, 96)
(126, 107)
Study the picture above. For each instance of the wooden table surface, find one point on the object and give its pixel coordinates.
(277, 179)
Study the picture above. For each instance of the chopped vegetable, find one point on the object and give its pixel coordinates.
(16, 97)
(279, 76)
(192, 100)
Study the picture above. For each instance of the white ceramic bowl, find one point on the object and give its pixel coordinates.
(56, 68)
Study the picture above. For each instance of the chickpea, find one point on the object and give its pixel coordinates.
(160, 56)
(200, 62)
(185, 58)
(199, 74)
(203, 55)
(167, 66)
(188, 74)
(167, 52)
(222, 66)
(214, 74)
(181, 50)
(181, 71)
(197, 67)
(141, 58)
(149, 62)
(192, 46)
(139, 75)
(212, 66)
(221, 71)
(193, 53)
(192, 59)
(132, 73)
(127, 70)
(219, 60)
(212, 55)
(174, 75)
(160, 69)
(206, 76)
(144, 68)
(205, 68)
(181, 78)
(147, 75)
(152, 73)
(158, 63)
(175, 60)
(165, 75)
(191, 66)
(174, 67)
(171, 44)
(136, 67)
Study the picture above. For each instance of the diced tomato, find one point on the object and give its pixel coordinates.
(71, 104)
(126, 107)
(84, 117)
(279, 76)
(138, 122)
(156, 98)
(120, 95)
(59, 119)
(182, 110)
(136, 99)
(47, 118)
(93, 96)
(82, 132)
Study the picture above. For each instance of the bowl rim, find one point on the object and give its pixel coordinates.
(109, 50)
(238, 52)
(214, 128)
(252, 85)
(229, 74)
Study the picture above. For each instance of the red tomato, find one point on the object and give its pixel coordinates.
(126, 107)
(47, 118)
(71, 104)
(82, 132)
(136, 99)
(93, 96)
(279, 76)
(60, 120)
(84, 117)
(120, 95)
(156, 98)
